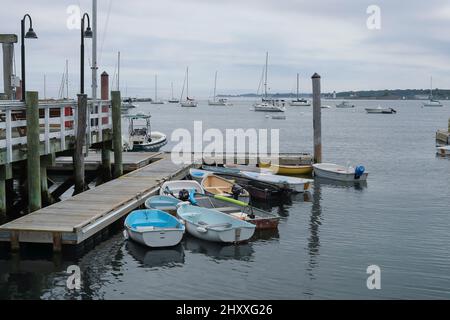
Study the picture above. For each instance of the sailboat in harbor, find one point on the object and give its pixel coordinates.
(173, 99)
(217, 102)
(156, 101)
(189, 102)
(299, 102)
(268, 105)
(432, 102)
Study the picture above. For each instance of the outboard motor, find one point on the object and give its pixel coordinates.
(236, 190)
(359, 171)
(183, 195)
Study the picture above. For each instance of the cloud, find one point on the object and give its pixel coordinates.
(231, 36)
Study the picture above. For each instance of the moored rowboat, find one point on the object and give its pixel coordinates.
(295, 184)
(443, 151)
(220, 186)
(341, 173)
(212, 225)
(287, 170)
(154, 228)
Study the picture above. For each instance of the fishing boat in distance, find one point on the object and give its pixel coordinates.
(381, 110)
(154, 228)
(336, 172)
(432, 102)
(140, 136)
(213, 225)
(156, 101)
(344, 105)
(173, 99)
(299, 102)
(189, 102)
(215, 101)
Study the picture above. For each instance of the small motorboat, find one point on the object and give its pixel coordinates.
(380, 110)
(178, 188)
(213, 225)
(292, 183)
(279, 117)
(443, 151)
(154, 228)
(287, 170)
(340, 173)
(216, 185)
(140, 136)
(344, 105)
(198, 174)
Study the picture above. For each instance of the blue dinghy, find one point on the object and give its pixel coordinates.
(164, 203)
(154, 228)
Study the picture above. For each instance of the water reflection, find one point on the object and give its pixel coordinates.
(152, 258)
(314, 225)
(357, 185)
(218, 251)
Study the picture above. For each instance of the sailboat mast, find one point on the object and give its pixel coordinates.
(431, 88)
(187, 83)
(215, 87)
(156, 88)
(67, 81)
(118, 71)
(171, 84)
(298, 85)
(265, 81)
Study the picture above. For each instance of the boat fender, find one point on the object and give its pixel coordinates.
(202, 230)
(359, 171)
(125, 234)
(236, 190)
(184, 195)
(192, 197)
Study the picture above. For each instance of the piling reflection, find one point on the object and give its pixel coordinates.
(156, 258)
(218, 251)
(314, 225)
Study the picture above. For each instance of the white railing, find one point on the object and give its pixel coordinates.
(57, 121)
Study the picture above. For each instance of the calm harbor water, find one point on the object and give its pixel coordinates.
(399, 221)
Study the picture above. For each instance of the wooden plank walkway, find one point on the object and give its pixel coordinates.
(76, 219)
(131, 161)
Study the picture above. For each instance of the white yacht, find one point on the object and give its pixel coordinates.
(299, 102)
(189, 102)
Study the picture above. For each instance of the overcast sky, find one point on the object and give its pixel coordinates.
(231, 36)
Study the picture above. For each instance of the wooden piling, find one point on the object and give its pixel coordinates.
(106, 145)
(117, 133)
(33, 155)
(317, 118)
(78, 156)
(47, 160)
(5, 186)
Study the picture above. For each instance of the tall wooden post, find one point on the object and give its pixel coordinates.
(46, 161)
(78, 157)
(33, 155)
(449, 125)
(106, 145)
(117, 133)
(317, 118)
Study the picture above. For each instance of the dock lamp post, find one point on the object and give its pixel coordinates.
(29, 35)
(88, 35)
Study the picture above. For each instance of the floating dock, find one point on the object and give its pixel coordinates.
(74, 220)
(443, 136)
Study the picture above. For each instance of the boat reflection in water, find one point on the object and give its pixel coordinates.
(156, 258)
(218, 251)
(357, 185)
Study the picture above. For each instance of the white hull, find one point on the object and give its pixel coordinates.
(443, 151)
(176, 186)
(295, 184)
(268, 108)
(157, 102)
(157, 238)
(432, 105)
(226, 236)
(189, 104)
(380, 110)
(339, 173)
(299, 104)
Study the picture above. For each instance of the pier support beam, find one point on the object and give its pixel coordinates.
(5, 182)
(106, 145)
(117, 133)
(7, 41)
(78, 156)
(47, 160)
(317, 118)
(33, 156)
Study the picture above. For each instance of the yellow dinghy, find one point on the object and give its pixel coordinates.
(219, 186)
(287, 170)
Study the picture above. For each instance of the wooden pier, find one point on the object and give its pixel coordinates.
(76, 219)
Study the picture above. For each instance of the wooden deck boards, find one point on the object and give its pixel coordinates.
(110, 201)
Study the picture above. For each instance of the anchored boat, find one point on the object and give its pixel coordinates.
(344, 105)
(212, 225)
(287, 170)
(189, 102)
(216, 185)
(299, 102)
(294, 184)
(380, 110)
(154, 228)
(140, 136)
(340, 173)
(443, 151)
